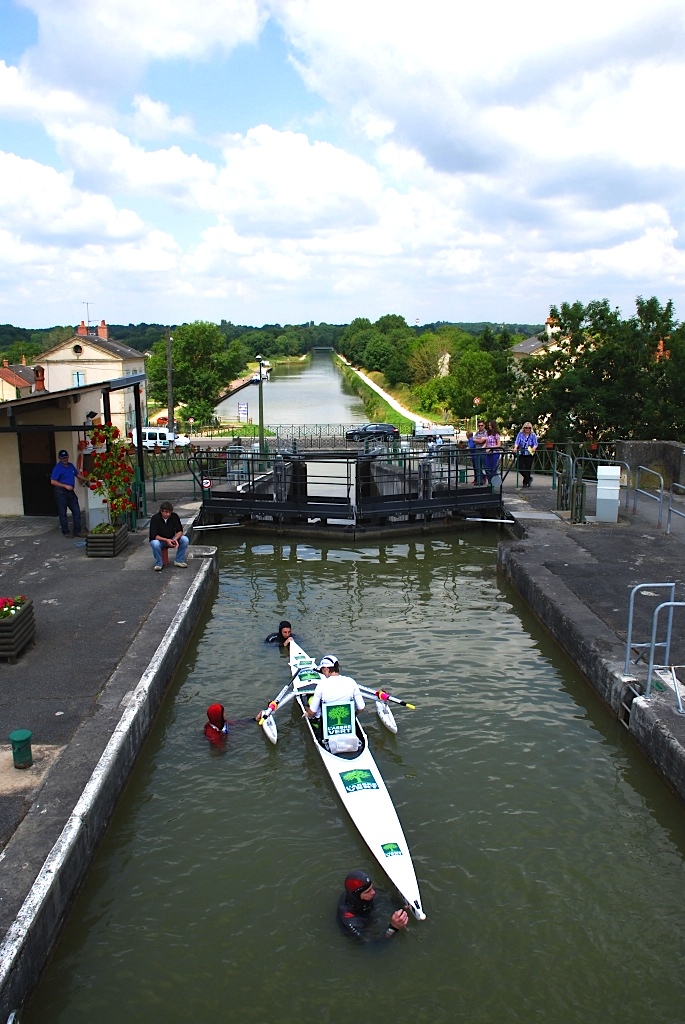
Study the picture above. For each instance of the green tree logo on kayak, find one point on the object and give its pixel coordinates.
(358, 779)
(391, 849)
(338, 719)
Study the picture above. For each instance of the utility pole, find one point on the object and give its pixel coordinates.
(169, 387)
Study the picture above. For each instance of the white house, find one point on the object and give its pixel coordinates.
(90, 357)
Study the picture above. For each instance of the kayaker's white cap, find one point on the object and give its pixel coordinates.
(328, 661)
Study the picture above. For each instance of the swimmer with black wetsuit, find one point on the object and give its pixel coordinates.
(357, 914)
(282, 637)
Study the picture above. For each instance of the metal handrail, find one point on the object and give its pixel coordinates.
(629, 637)
(608, 462)
(648, 494)
(671, 510)
(670, 605)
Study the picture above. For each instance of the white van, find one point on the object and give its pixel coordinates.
(159, 437)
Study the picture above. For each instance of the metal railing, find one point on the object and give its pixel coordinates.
(673, 511)
(605, 462)
(646, 589)
(658, 497)
(655, 623)
(386, 483)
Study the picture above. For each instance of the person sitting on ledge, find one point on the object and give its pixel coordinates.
(166, 531)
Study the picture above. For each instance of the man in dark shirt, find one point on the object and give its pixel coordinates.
(166, 531)
(63, 479)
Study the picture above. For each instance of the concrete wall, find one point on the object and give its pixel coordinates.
(11, 500)
(664, 457)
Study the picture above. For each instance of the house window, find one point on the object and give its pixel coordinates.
(78, 378)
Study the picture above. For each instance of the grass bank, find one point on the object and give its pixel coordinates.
(376, 408)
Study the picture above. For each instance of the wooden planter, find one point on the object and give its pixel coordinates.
(17, 632)
(107, 545)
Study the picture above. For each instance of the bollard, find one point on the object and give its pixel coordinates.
(21, 748)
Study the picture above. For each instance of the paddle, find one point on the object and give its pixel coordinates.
(382, 695)
(273, 704)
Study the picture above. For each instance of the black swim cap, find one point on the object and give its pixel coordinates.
(284, 624)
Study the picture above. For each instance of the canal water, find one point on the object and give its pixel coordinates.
(312, 391)
(550, 858)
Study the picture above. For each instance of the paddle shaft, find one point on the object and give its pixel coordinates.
(273, 704)
(382, 695)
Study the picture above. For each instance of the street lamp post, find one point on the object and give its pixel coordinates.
(260, 360)
(169, 390)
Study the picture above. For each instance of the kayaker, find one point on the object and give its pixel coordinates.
(360, 917)
(333, 687)
(282, 637)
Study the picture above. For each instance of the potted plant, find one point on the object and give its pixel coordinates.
(17, 625)
(110, 478)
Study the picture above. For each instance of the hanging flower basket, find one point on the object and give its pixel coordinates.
(17, 626)
(106, 541)
(111, 479)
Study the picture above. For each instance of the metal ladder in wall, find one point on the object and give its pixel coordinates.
(636, 651)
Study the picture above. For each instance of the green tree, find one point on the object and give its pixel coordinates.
(474, 375)
(609, 377)
(203, 365)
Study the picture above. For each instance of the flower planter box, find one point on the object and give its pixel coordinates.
(107, 545)
(17, 631)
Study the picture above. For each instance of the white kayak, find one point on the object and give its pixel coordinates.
(361, 788)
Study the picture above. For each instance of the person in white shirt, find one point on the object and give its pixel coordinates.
(333, 687)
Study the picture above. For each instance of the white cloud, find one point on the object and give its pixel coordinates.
(23, 98)
(480, 162)
(107, 44)
(105, 159)
(38, 202)
(153, 120)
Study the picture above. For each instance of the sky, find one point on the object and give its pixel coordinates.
(281, 161)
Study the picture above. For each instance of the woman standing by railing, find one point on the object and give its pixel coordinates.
(525, 446)
(492, 450)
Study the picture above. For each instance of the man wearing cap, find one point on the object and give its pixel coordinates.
(358, 915)
(63, 479)
(333, 687)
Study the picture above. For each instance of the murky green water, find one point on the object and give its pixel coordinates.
(549, 857)
(300, 392)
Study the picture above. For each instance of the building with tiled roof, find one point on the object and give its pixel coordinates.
(89, 357)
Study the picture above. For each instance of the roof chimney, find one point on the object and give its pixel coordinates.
(23, 360)
(39, 378)
(103, 331)
(5, 362)
(82, 329)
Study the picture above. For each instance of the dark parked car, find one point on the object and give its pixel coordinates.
(371, 431)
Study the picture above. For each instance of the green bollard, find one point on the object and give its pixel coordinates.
(21, 748)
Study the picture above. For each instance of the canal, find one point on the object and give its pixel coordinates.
(312, 391)
(549, 856)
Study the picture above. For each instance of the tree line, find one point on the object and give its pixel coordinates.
(601, 375)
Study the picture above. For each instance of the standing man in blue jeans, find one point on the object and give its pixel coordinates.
(63, 479)
(166, 531)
